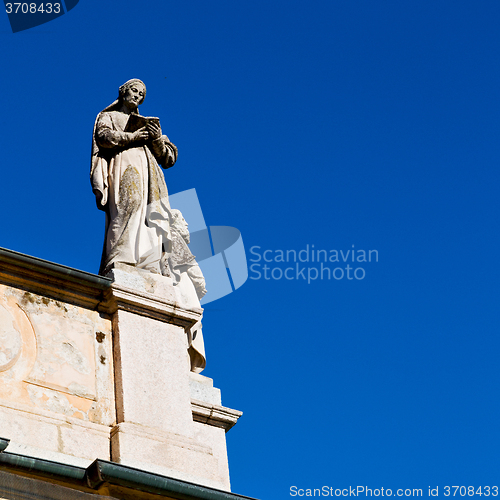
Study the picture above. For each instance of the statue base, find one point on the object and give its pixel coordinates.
(161, 427)
(97, 368)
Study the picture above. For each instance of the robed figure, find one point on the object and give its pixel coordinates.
(129, 184)
(190, 285)
(141, 228)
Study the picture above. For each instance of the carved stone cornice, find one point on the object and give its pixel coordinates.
(52, 280)
(95, 292)
(218, 416)
(119, 297)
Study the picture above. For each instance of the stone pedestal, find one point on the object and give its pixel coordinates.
(98, 368)
(160, 426)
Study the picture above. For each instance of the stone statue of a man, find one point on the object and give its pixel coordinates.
(129, 184)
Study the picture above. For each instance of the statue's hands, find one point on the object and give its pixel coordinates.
(140, 135)
(154, 130)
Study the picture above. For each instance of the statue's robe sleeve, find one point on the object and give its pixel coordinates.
(106, 141)
(164, 151)
(107, 136)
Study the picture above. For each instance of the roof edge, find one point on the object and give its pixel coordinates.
(102, 472)
(53, 269)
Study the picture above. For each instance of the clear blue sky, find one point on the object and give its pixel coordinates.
(327, 123)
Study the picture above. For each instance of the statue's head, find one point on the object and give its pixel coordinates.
(180, 224)
(132, 93)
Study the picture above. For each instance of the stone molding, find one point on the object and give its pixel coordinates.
(160, 436)
(48, 435)
(215, 415)
(88, 290)
(54, 418)
(52, 280)
(119, 297)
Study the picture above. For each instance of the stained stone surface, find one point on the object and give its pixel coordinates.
(11, 342)
(56, 377)
(58, 357)
(93, 368)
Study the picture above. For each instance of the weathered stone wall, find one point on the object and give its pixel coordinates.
(94, 367)
(55, 356)
(56, 377)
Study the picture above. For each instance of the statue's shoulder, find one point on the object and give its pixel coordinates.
(109, 114)
(113, 119)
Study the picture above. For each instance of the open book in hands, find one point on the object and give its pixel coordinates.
(135, 122)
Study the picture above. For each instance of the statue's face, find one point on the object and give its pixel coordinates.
(182, 227)
(134, 95)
